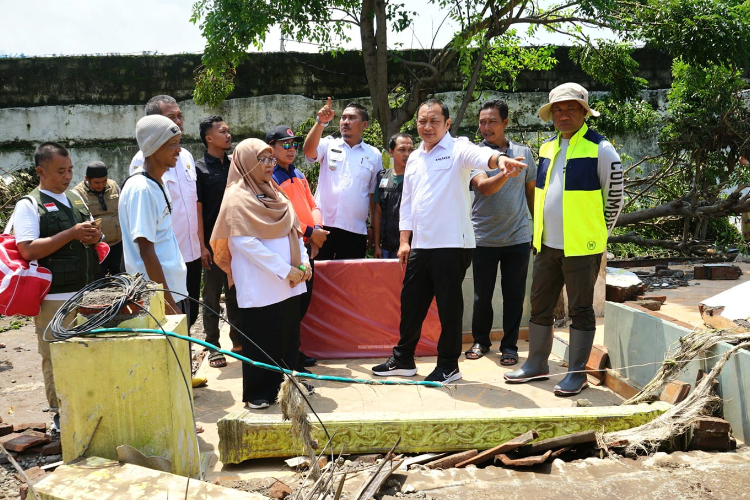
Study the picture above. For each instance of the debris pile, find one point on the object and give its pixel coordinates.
(28, 448)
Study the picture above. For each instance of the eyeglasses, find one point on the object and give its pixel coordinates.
(290, 145)
(268, 161)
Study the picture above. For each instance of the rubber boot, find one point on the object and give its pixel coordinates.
(578, 353)
(536, 366)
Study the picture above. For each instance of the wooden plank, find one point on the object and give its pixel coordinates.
(420, 459)
(558, 442)
(451, 460)
(523, 462)
(514, 443)
(619, 384)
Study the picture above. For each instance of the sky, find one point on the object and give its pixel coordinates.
(74, 27)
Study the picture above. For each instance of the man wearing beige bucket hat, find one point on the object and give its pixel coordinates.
(577, 199)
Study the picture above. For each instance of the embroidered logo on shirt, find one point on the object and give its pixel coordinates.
(443, 158)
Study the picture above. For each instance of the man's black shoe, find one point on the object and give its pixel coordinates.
(393, 367)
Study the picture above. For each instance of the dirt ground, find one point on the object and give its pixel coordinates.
(694, 475)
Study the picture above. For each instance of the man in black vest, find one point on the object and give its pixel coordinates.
(53, 225)
(387, 198)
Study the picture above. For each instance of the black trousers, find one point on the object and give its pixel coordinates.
(514, 264)
(342, 244)
(438, 273)
(214, 281)
(552, 270)
(275, 330)
(194, 271)
(113, 263)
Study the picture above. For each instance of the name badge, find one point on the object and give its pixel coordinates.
(51, 207)
(335, 158)
(383, 182)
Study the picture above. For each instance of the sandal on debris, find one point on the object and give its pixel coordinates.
(217, 360)
(476, 351)
(508, 358)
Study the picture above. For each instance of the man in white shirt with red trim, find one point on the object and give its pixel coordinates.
(437, 238)
(348, 173)
(181, 183)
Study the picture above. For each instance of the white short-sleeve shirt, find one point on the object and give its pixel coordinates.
(144, 213)
(181, 181)
(347, 179)
(436, 201)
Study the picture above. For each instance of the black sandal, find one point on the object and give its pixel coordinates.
(217, 360)
(476, 351)
(508, 358)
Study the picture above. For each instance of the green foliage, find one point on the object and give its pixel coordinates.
(17, 184)
(634, 116)
(611, 64)
(504, 59)
(706, 112)
(698, 31)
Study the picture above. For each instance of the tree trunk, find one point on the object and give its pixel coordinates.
(468, 94)
(374, 37)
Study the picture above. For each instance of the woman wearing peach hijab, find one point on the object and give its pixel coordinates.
(257, 242)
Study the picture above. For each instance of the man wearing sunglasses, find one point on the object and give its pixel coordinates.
(293, 182)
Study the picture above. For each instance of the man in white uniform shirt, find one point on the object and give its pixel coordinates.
(181, 183)
(348, 172)
(437, 238)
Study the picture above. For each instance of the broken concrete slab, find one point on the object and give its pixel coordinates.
(623, 285)
(728, 309)
(95, 478)
(244, 435)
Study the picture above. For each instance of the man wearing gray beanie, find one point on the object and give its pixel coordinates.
(149, 243)
(181, 184)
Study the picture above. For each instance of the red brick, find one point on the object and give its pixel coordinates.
(54, 448)
(675, 392)
(279, 490)
(35, 426)
(651, 305)
(598, 360)
(6, 429)
(660, 298)
(717, 272)
(713, 443)
(712, 426)
(25, 441)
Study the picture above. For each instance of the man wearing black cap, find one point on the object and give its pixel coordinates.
(212, 171)
(293, 182)
(102, 196)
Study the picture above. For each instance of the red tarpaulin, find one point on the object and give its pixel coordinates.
(356, 309)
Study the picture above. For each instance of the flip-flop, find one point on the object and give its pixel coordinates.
(476, 351)
(217, 360)
(508, 358)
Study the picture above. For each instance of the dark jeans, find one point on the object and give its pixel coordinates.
(194, 271)
(439, 273)
(275, 330)
(113, 263)
(552, 270)
(341, 244)
(214, 281)
(514, 264)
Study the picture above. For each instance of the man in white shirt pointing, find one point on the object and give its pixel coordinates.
(437, 238)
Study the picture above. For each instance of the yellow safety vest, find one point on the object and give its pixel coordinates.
(584, 228)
